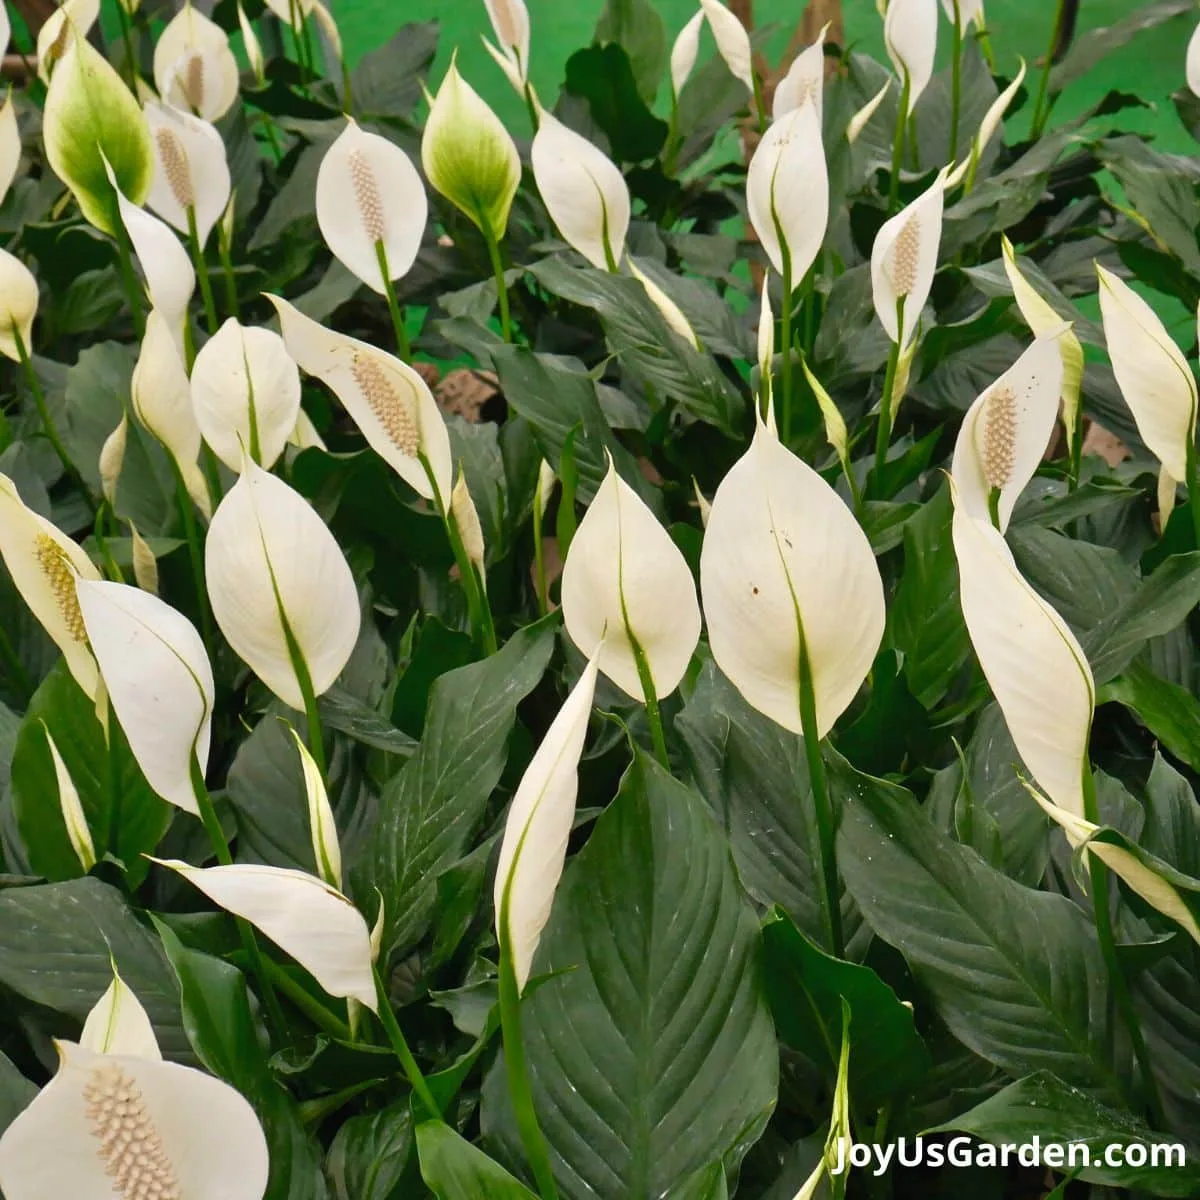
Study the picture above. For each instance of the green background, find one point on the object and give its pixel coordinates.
(1152, 65)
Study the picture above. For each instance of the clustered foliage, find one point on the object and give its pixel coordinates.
(950, 889)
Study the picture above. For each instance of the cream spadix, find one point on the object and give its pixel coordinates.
(194, 67)
(733, 42)
(307, 919)
(787, 192)
(159, 682)
(191, 170)
(78, 832)
(684, 52)
(627, 583)
(91, 118)
(44, 564)
(245, 393)
(165, 1129)
(469, 157)
(539, 823)
(162, 402)
(584, 192)
(910, 36)
(1005, 433)
(1037, 670)
(389, 402)
(789, 584)
(370, 195)
(903, 260)
(273, 568)
(1043, 320)
(804, 82)
(510, 23)
(1152, 373)
(118, 1024)
(18, 305)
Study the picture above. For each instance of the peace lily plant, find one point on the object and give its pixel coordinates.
(591, 643)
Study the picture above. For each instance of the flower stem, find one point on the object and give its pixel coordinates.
(1043, 104)
(519, 1089)
(216, 835)
(493, 246)
(1098, 880)
(312, 715)
(210, 307)
(127, 40)
(539, 562)
(306, 1002)
(232, 308)
(1193, 487)
(887, 404)
(653, 712)
(785, 349)
(403, 348)
(1075, 455)
(391, 1027)
(48, 426)
(128, 280)
(479, 611)
(898, 147)
(955, 81)
(822, 806)
(192, 533)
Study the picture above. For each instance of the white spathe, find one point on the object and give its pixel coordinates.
(733, 42)
(626, 582)
(583, 190)
(539, 822)
(191, 170)
(197, 1137)
(269, 559)
(245, 394)
(368, 195)
(194, 67)
(783, 560)
(74, 818)
(910, 35)
(10, 145)
(1037, 670)
(159, 682)
(510, 22)
(804, 82)
(18, 305)
(1152, 373)
(787, 192)
(306, 918)
(1005, 433)
(389, 402)
(684, 52)
(118, 1024)
(903, 260)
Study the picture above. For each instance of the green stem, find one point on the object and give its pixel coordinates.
(985, 43)
(955, 81)
(994, 508)
(493, 246)
(48, 426)
(760, 109)
(785, 349)
(127, 39)
(1098, 879)
(479, 609)
(539, 562)
(883, 432)
(1042, 106)
(1193, 486)
(1075, 455)
(898, 147)
(306, 1002)
(191, 532)
(128, 280)
(216, 836)
(822, 806)
(210, 307)
(391, 1027)
(232, 307)
(671, 146)
(653, 712)
(519, 1089)
(316, 736)
(403, 348)
(532, 108)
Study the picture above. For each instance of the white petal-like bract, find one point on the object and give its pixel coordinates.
(118, 1024)
(537, 828)
(733, 42)
(510, 22)
(1005, 433)
(369, 193)
(903, 260)
(195, 1135)
(159, 682)
(625, 581)
(910, 35)
(783, 556)
(1192, 66)
(685, 50)
(18, 305)
(74, 818)
(191, 170)
(787, 192)
(10, 145)
(1037, 670)
(584, 192)
(389, 402)
(327, 850)
(194, 68)
(804, 82)
(268, 559)
(1153, 374)
(307, 919)
(245, 393)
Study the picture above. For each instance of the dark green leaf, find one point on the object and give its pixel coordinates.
(637, 27)
(456, 1170)
(660, 954)
(15, 1092)
(603, 76)
(1170, 712)
(387, 80)
(370, 1154)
